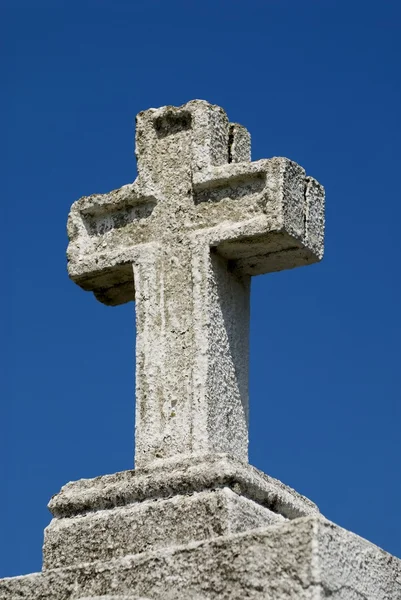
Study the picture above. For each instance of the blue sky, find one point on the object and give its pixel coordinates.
(316, 81)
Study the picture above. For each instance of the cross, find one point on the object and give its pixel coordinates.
(183, 241)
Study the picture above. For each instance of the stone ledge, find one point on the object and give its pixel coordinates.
(169, 478)
(143, 526)
(303, 559)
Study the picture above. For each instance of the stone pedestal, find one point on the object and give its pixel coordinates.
(150, 509)
(203, 528)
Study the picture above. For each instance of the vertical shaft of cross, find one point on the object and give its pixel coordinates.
(192, 362)
(190, 309)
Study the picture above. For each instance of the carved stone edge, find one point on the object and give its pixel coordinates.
(303, 558)
(186, 476)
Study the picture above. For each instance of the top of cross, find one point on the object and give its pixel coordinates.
(206, 140)
(183, 240)
(189, 150)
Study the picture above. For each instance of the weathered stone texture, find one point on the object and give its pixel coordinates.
(180, 477)
(194, 520)
(139, 527)
(133, 512)
(304, 559)
(198, 221)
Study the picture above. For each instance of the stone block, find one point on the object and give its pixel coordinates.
(180, 477)
(143, 526)
(304, 559)
(170, 503)
(239, 144)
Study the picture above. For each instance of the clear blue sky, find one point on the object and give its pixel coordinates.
(316, 81)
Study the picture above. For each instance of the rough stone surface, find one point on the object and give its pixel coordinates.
(184, 240)
(154, 507)
(303, 559)
(194, 520)
(180, 478)
(143, 526)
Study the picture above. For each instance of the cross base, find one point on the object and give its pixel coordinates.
(201, 528)
(302, 559)
(150, 525)
(137, 511)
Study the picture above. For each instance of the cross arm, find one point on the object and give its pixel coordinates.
(195, 179)
(99, 229)
(265, 215)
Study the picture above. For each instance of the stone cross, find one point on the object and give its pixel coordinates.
(183, 241)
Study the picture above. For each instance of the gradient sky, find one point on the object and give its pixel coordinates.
(316, 81)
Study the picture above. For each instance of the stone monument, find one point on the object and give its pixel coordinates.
(195, 520)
